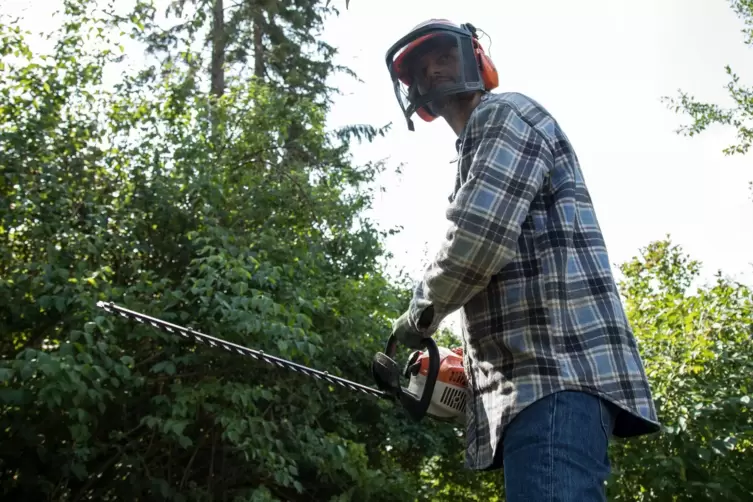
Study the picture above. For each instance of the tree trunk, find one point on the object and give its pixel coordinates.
(218, 49)
(258, 44)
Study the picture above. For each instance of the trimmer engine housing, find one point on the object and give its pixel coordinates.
(449, 398)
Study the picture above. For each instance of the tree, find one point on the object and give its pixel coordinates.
(698, 352)
(282, 41)
(740, 115)
(698, 347)
(174, 202)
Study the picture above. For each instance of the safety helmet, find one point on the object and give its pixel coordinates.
(475, 71)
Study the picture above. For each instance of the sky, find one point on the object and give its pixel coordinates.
(601, 69)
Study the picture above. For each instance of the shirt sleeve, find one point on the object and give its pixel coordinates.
(507, 170)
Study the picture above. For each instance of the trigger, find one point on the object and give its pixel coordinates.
(412, 366)
(413, 369)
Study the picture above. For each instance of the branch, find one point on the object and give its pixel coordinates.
(199, 443)
(94, 479)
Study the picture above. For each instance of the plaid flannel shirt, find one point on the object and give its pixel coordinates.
(525, 260)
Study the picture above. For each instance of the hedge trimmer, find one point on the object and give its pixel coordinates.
(437, 384)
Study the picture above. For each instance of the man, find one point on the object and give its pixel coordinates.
(552, 364)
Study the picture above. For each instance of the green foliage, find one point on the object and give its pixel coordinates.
(698, 348)
(740, 115)
(698, 353)
(128, 196)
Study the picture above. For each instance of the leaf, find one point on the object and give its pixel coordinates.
(79, 470)
(5, 374)
(27, 372)
(12, 396)
(185, 442)
(164, 367)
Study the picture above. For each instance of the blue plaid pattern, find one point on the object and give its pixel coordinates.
(525, 260)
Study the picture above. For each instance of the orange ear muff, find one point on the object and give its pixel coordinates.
(489, 75)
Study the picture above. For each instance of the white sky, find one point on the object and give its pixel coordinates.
(601, 69)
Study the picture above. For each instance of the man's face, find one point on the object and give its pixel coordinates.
(437, 66)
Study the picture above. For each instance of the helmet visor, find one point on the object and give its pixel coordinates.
(431, 67)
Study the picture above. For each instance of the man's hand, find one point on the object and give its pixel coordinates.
(407, 334)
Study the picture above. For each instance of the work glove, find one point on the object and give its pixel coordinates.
(406, 334)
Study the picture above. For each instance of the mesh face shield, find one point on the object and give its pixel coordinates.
(436, 60)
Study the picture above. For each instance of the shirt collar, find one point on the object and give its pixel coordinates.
(461, 136)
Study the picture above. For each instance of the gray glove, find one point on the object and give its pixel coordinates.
(406, 334)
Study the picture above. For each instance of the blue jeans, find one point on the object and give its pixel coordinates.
(556, 450)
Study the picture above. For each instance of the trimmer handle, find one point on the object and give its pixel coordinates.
(417, 407)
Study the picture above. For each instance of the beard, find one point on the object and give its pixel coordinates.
(446, 104)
